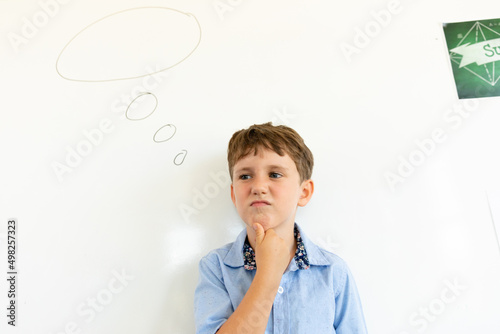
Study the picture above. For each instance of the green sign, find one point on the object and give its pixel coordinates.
(474, 49)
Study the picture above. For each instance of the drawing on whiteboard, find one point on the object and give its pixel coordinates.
(110, 45)
(164, 133)
(179, 158)
(135, 99)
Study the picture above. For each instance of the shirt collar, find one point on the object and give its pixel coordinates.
(307, 253)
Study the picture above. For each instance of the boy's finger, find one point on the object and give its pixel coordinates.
(259, 233)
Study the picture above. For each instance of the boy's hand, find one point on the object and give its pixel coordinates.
(272, 255)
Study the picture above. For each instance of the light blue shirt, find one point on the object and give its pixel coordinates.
(319, 300)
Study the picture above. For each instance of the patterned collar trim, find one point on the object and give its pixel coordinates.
(300, 254)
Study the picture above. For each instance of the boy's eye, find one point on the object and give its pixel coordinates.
(275, 175)
(244, 177)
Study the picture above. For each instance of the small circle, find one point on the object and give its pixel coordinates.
(280, 290)
(138, 96)
(172, 128)
(182, 155)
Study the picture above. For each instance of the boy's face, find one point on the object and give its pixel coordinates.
(266, 189)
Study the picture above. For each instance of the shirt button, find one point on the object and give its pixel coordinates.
(280, 289)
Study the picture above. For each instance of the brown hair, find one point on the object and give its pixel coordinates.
(281, 139)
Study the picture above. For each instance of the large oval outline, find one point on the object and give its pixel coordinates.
(135, 77)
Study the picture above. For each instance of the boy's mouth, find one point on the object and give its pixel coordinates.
(259, 203)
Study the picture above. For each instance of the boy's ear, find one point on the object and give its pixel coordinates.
(233, 197)
(307, 191)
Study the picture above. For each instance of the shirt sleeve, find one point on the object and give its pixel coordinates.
(349, 318)
(212, 305)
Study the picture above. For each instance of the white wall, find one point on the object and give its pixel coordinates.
(117, 213)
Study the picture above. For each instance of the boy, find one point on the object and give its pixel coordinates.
(273, 279)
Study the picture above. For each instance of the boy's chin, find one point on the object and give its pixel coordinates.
(261, 219)
(266, 224)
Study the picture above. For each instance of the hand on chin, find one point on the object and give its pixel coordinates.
(263, 220)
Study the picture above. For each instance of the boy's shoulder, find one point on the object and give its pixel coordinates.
(331, 257)
(318, 256)
(215, 255)
(230, 254)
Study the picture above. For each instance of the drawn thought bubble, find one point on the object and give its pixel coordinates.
(121, 45)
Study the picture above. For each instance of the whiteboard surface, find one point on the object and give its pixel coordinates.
(113, 219)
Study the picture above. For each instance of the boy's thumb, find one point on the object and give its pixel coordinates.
(259, 233)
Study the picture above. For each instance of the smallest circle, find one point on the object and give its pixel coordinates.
(183, 152)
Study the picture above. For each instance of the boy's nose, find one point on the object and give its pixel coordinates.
(259, 186)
